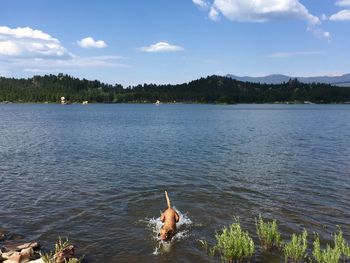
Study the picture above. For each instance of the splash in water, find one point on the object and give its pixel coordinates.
(182, 232)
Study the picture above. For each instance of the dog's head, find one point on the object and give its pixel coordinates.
(165, 234)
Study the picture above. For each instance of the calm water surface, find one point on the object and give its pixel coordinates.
(97, 173)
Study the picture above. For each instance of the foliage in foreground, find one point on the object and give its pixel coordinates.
(59, 247)
(341, 245)
(328, 255)
(295, 250)
(233, 244)
(268, 234)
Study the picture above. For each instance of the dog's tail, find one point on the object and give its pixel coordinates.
(167, 199)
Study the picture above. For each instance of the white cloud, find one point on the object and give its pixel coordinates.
(343, 3)
(201, 3)
(343, 15)
(25, 32)
(89, 42)
(261, 11)
(258, 11)
(319, 32)
(294, 54)
(213, 14)
(27, 42)
(161, 47)
(29, 50)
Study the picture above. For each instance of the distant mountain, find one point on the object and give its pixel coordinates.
(343, 80)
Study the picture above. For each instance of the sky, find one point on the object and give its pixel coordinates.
(173, 41)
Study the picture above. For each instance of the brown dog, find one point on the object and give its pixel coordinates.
(169, 217)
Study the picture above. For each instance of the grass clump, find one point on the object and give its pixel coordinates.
(60, 246)
(233, 244)
(295, 250)
(268, 234)
(208, 249)
(328, 255)
(340, 243)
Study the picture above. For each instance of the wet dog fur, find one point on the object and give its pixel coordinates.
(169, 219)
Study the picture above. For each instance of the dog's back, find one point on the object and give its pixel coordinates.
(169, 217)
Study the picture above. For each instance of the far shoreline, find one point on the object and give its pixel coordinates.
(177, 103)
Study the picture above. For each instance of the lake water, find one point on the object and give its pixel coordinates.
(97, 174)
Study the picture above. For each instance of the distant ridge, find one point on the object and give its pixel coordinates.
(343, 80)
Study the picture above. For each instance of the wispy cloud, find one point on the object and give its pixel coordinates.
(213, 14)
(343, 3)
(294, 54)
(4, 73)
(161, 47)
(343, 15)
(319, 32)
(81, 62)
(200, 3)
(89, 42)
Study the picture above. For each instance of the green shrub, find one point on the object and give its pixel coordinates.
(233, 244)
(295, 250)
(346, 252)
(340, 243)
(268, 234)
(328, 255)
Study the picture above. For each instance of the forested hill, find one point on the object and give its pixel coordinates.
(212, 89)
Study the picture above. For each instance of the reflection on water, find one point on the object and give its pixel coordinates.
(93, 172)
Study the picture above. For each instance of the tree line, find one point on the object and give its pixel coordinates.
(212, 89)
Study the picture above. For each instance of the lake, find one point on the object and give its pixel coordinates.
(97, 173)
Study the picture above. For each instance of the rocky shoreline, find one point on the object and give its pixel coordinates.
(15, 251)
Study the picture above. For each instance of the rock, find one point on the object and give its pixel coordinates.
(33, 245)
(19, 257)
(10, 246)
(7, 255)
(28, 252)
(16, 257)
(15, 246)
(66, 253)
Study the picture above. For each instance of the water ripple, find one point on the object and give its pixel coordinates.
(92, 173)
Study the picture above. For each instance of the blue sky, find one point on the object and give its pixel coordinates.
(174, 41)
